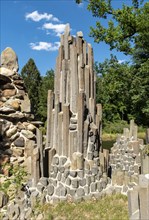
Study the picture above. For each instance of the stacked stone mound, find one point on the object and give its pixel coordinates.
(73, 126)
(17, 134)
(125, 159)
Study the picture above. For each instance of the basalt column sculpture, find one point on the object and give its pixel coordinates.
(74, 119)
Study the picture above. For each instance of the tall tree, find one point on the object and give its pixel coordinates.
(46, 84)
(113, 81)
(32, 81)
(127, 26)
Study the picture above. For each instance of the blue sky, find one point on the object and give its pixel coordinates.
(32, 29)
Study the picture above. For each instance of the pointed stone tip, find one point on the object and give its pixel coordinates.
(67, 29)
(80, 34)
(9, 59)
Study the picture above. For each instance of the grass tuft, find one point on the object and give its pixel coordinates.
(112, 207)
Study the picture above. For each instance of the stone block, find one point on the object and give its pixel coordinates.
(99, 186)
(50, 190)
(9, 59)
(73, 173)
(66, 173)
(143, 181)
(16, 152)
(144, 203)
(80, 192)
(68, 181)
(63, 179)
(43, 181)
(90, 155)
(28, 134)
(59, 176)
(87, 190)
(93, 187)
(29, 146)
(82, 182)
(11, 131)
(74, 183)
(93, 178)
(120, 178)
(61, 191)
(133, 202)
(72, 192)
(62, 160)
(80, 161)
(25, 105)
(145, 165)
(61, 169)
(80, 173)
(55, 160)
(40, 187)
(94, 170)
(88, 180)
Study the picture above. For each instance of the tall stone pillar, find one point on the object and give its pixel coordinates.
(65, 129)
(90, 63)
(40, 147)
(60, 133)
(80, 121)
(73, 78)
(49, 118)
(35, 166)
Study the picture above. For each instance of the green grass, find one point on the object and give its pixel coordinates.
(112, 207)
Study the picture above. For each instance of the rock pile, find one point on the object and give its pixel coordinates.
(17, 134)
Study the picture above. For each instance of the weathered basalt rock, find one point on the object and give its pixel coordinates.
(9, 60)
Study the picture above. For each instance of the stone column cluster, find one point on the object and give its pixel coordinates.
(125, 158)
(74, 120)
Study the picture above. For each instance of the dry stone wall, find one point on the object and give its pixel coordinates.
(17, 134)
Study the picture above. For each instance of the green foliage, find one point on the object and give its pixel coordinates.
(37, 88)
(126, 25)
(47, 83)
(113, 81)
(32, 81)
(18, 176)
(115, 127)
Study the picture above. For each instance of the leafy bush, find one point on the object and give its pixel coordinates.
(18, 175)
(115, 127)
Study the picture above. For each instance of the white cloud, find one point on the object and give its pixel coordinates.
(57, 28)
(121, 61)
(45, 46)
(81, 5)
(35, 16)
